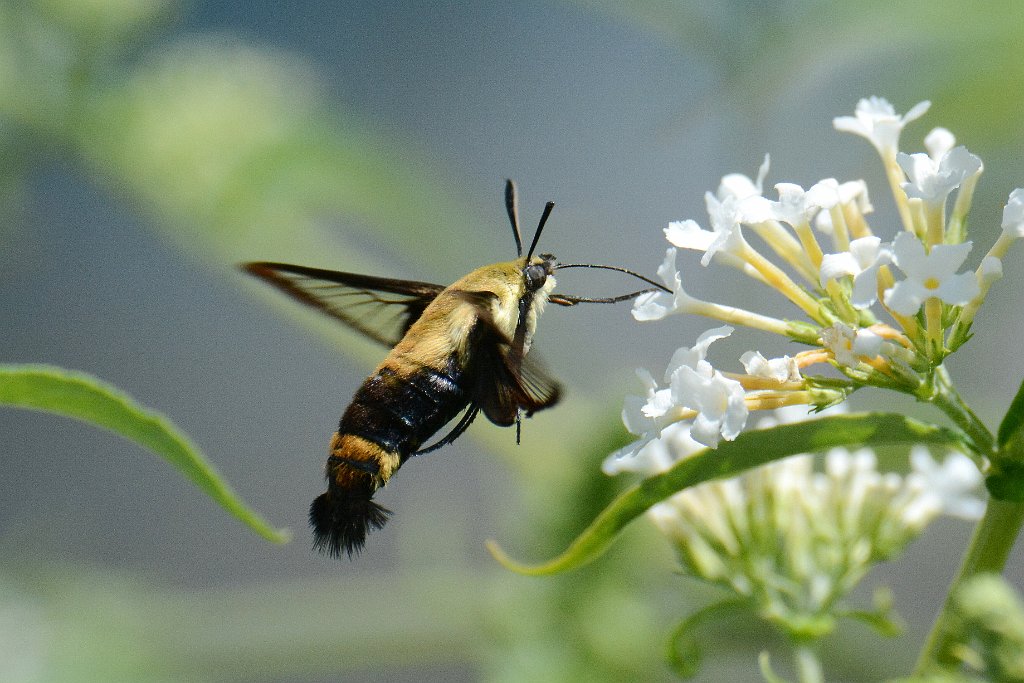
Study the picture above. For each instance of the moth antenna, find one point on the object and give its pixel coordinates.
(540, 228)
(618, 269)
(512, 206)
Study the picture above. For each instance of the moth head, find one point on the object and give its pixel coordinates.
(537, 270)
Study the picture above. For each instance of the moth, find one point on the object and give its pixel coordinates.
(456, 352)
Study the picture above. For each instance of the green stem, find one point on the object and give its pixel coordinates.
(990, 546)
(993, 538)
(949, 401)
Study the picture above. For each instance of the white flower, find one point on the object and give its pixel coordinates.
(938, 142)
(875, 119)
(1013, 214)
(932, 180)
(724, 238)
(848, 345)
(737, 201)
(796, 206)
(929, 275)
(696, 385)
(856, 191)
(853, 192)
(693, 385)
(740, 186)
(791, 541)
(694, 357)
(990, 270)
(689, 235)
(956, 483)
(657, 304)
(653, 455)
(782, 369)
(640, 413)
(647, 417)
(862, 261)
(719, 400)
(725, 218)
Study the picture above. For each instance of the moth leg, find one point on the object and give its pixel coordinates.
(457, 430)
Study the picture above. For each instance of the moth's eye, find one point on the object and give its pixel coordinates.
(535, 276)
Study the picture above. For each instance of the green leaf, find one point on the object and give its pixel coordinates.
(684, 645)
(87, 398)
(1012, 421)
(750, 449)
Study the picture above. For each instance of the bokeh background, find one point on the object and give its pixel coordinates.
(149, 146)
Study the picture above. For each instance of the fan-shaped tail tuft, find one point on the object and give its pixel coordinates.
(341, 520)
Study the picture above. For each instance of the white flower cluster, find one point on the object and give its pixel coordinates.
(792, 540)
(885, 313)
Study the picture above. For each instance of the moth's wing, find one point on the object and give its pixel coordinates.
(504, 380)
(381, 308)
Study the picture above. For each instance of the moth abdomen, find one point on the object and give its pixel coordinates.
(389, 418)
(342, 516)
(398, 410)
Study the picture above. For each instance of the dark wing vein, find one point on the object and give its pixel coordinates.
(383, 309)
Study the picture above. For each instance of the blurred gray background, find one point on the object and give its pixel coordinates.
(151, 147)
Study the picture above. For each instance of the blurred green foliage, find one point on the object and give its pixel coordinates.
(968, 60)
(227, 146)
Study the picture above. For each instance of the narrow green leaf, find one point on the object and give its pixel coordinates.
(684, 645)
(750, 449)
(1013, 419)
(87, 398)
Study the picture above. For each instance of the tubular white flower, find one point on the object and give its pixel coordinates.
(938, 142)
(877, 121)
(640, 414)
(782, 369)
(848, 345)
(838, 338)
(990, 270)
(791, 540)
(851, 199)
(855, 192)
(695, 389)
(862, 261)
(929, 275)
(740, 186)
(932, 180)
(719, 400)
(658, 304)
(725, 218)
(696, 385)
(652, 455)
(1013, 215)
(795, 206)
(688, 234)
(694, 357)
